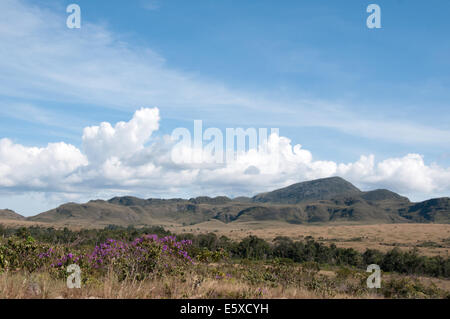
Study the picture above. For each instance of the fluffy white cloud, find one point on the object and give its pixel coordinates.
(103, 142)
(37, 168)
(125, 158)
(408, 174)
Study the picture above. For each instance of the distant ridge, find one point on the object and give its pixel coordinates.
(325, 200)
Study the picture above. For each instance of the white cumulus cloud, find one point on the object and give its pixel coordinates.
(37, 168)
(102, 142)
(125, 158)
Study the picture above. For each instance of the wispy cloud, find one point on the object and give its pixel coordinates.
(27, 112)
(151, 4)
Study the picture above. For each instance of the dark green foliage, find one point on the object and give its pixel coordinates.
(253, 247)
(373, 256)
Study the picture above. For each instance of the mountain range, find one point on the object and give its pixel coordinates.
(324, 200)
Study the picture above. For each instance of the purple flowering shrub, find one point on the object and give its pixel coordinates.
(145, 256)
(22, 254)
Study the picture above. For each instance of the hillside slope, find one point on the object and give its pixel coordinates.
(433, 210)
(9, 214)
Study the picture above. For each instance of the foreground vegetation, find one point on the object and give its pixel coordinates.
(152, 263)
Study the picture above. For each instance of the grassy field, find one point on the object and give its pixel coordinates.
(243, 282)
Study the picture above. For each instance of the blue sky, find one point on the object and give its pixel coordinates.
(311, 68)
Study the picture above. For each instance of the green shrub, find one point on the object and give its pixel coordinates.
(409, 288)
